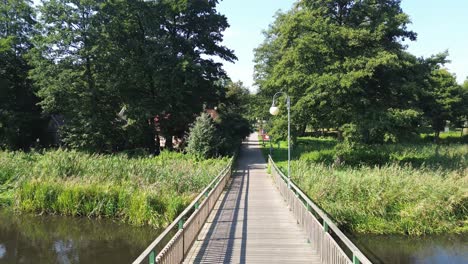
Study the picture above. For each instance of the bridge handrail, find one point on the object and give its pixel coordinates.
(190, 211)
(358, 256)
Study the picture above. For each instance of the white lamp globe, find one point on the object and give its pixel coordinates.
(274, 110)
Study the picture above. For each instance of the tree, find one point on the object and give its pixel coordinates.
(233, 124)
(460, 118)
(168, 70)
(202, 139)
(71, 72)
(342, 62)
(20, 118)
(441, 98)
(153, 58)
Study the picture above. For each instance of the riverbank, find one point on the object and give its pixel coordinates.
(135, 190)
(411, 189)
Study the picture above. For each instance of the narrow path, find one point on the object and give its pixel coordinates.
(251, 223)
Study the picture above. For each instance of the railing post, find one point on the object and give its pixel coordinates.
(325, 226)
(152, 257)
(288, 195)
(181, 227)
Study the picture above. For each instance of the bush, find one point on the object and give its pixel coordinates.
(203, 140)
(319, 156)
(232, 128)
(359, 154)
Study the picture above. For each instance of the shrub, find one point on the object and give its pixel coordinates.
(203, 139)
(359, 154)
(232, 128)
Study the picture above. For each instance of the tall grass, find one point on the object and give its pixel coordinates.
(135, 190)
(412, 188)
(390, 199)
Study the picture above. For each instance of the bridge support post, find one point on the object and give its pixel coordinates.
(325, 226)
(152, 257)
(356, 260)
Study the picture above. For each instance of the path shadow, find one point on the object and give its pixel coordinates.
(219, 242)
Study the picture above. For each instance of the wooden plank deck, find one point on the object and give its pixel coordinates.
(251, 223)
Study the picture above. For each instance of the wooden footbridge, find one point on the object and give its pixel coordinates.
(248, 216)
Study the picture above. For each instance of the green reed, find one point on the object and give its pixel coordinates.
(410, 188)
(140, 191)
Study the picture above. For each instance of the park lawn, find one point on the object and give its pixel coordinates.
(410, 188)
(137, 190)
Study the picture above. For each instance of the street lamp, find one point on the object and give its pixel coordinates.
(274, 110)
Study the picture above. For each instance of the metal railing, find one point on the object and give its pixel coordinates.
(187, 225)
(322, 234)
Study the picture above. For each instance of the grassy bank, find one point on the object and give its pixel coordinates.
(415, 189)
(134, 190)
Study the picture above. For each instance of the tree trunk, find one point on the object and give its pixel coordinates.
(151, 136)
(436, 136)
(157, 149)
(303, 130)
(169, 144)
(340, 135)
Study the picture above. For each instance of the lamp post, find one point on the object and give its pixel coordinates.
(274, 110)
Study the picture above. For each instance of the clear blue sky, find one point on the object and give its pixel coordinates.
(440, 25)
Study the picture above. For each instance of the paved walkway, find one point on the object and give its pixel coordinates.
(251, 222)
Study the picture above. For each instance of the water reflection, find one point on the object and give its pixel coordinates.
(2, 251)
(451, 249)
(52, 239)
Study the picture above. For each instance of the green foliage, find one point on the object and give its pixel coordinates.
(154, 58)
(232, 129)
(203, 139)
(343, 64)
(358, 154)
(138, 190)
(222, 136)
(388, 200)
(234, 113)
(20, 118)
(417, 188)
(444, 100)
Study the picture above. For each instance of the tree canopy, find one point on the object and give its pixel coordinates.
(92, 58)
(20, 118)
(343, 63)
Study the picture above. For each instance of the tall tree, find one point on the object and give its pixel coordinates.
(233, 123)
(71, 67)
(443, 100)
(20, 118)
(342, 62)
(168, 70)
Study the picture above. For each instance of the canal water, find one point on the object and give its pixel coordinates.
(450, 249)
(66, 240)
